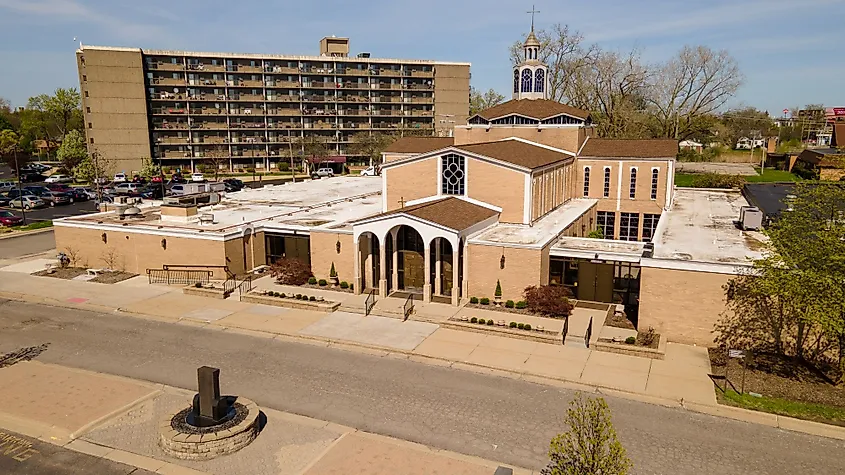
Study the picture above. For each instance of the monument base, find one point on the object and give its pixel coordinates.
(183, 441)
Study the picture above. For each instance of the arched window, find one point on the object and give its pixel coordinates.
(633, 189)
(539, 80)
(586, 181)
(515, 81)
(526, 80)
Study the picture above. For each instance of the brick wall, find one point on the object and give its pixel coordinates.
(523, 268)
(682, 305)
(324, 253)
(497, 186)
(410, 182)
(567, 138)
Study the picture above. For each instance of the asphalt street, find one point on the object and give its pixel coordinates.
(21, 455)
(61, 211)
(26, 245)
(497, 418)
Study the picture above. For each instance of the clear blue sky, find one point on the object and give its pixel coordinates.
(789, 50)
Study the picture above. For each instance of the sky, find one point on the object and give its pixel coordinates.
(790, 51)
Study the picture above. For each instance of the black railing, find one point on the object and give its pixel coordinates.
(588, 333)
(245, 285)
(565, 329)
(408, 308)
(370, 302)
(179, 277)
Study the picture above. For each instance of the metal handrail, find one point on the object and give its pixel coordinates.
(179, 277)
(370, 302)
(245, 284)
(565, 329)
(588, 333)
(408, 307)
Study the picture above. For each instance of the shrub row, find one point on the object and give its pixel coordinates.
(509, 304)
(481, 321)
(292, 296)
(323, 283)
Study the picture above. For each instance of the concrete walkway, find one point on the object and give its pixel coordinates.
(116, 420)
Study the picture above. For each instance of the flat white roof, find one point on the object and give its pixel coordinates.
(540, 233)
(700, 227)
(603, 249)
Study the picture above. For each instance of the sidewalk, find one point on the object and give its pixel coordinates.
(117, 420)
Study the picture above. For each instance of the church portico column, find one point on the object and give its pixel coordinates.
(456, 284)
(359, 280)
(427, 286)
(395, 275)
(382, 271)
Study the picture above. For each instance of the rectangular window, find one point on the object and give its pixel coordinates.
(84, 77)
(629, 225)
(90, 125)
(453, 174)
(606, 223)
(88, 110)
(649, 226)
(91, 139)
(606, 182)
(86, 93)
(586, 181)
(655, 174)
(633, 190)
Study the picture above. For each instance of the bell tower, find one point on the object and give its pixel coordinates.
(530, 77)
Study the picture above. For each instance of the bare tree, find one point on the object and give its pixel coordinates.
(697, 82)
(216, 156)
(73, 254)
(370, 145)
(313, 147)
(113, 259)
(479, 101)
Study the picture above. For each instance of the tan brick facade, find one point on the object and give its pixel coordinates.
(411, 182)
(324, 253)
(567, 138)
(831, 174)
(497, 186)
(523, 268)
(681, 305)
(451, 96)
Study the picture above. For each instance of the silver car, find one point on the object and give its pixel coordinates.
(27, 202)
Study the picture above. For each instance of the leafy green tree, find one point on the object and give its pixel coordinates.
(479, 101)
(370, 145)
(93, 167)
(64, 110)
(72, 150)
(590, 447)
(9, 143)
(149, 168)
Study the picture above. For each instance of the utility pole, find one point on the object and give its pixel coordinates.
(20, 186)
(290, 148)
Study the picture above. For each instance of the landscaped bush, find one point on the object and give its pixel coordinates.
(484, 301)
(630, 340)
(498, 292)
(481, 321)
(490, 322)
(312, 280)
(312, 298)
(527, 326)
(282, 295)
(647, 337)
(198, 285)
(716, 180)
(520, 326)
(549, 300)
(344, 285)
(509, 304)
(513, 325)
(521, 305)
(473, 300)
(323, 283)
(298, 296)
(289, 271)
(473, 320)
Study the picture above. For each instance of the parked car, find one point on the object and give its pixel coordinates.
(36, 190)
(119, 177)
(233, 184)
(54, 198)
(7, 218)
(7, 185)
(370, 171)
(63, 187)
(4, 199)
(90, 193)
(27, 202)
(127, 188)
(197, 177)
(323, 172)
(152, 192)
(157, 179)
(79, 194)
(59, 179)
(30, 177)
(40, 167)
(139, 179)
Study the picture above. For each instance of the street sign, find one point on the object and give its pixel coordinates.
(736, 353)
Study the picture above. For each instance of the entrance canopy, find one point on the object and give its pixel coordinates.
(333, 159)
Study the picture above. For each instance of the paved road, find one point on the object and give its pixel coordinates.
(61, 211)
(21, 455)
(12, 248)
(496, 418)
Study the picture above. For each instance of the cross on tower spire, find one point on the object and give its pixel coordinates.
(532, 12)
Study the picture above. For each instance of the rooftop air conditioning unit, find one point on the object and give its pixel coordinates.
(750, 217)
(648, 250)
(363, 55)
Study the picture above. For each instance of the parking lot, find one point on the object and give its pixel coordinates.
(61, 211)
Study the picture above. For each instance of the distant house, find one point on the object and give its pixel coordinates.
(44, 147)
(691, 145)
(746, 143)
(826, 163)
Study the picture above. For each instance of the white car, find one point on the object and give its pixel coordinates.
(369, 171)
(27, 202)
(322, 172)
(197, 177)
(58, 179)
(120, 178)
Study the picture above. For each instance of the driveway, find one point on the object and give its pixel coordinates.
(743, 169)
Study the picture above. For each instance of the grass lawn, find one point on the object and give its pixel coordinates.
(772, 175)
(684, 179)
(783, 407)
(35, 225)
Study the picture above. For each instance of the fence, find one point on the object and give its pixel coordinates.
(370, 302)
(408, 307)
(179, 277)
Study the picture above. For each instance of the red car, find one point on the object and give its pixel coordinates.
(157, 179)
(7, 218)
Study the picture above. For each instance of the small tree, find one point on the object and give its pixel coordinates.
(332, 272)
(596, 234)
(370, 145)
(498, 292)
(73, 150)
(590, 447)
(216, 156)
(549, 300)
(288, 271)
(149, 168)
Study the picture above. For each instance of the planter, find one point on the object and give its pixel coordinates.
(633, 350)
(209, 292)
(334, 281)
(325, 306)
(545, 336)
(497, 300)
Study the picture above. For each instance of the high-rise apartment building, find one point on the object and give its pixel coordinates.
(253, 110)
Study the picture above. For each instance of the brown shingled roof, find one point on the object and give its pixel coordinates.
(419, 144)
(618, 148)
(517, 152)
(534, 108)
(453, 213)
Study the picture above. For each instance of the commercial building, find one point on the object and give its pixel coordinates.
(255, 111)
(523, 194)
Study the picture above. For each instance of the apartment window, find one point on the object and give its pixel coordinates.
(453, 174)
(88, 110)
(90, 125)
(633, 190)
(629, 224)
(586, 181)
(84, 77)
(91, 140)
(606, 191)
(86, 93)
(649, 226)
(606, 223)
(655, 173)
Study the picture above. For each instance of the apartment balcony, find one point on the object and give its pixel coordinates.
(287, 112)
(210, 125)
(318, 98)
(419, 113)
(418, 87)
(165, 66)
(243, 83)
(249, 153)
(245, 139)
(171, 140)
(209, 140)
(283, 98)
(386, 113)
(356, 125)
(350, 98)
(280, 70)
(355, 85)
(419, 125)
(247, 111)
(246, 97)
(205, 97)
(282, 84)
(386, 99)
(419, 100)
(389, 72)
(169, 111)
(246, 125)
(207, 111)
(251, 69)
(174, 154)
(167, 96)
(285, 125)
(352, 72)
(316, 70)
(320, 125)
(320, 84)
(316, 111)
(159, 81)
(356, 112)
(206, 67)
(387, 125)
(170, 125)
(418, 73)
(386, 86)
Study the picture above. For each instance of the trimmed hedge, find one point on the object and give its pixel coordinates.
(484, 301)
(509, 304)
(312, 280)
(473, 300)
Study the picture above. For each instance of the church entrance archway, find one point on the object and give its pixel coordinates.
(411, 265)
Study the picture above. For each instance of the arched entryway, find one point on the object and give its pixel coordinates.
(370, 261)
(410, 267)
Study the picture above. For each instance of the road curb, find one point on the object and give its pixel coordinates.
(17, 234)
(724, 411)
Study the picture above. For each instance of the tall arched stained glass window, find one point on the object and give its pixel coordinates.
(515, 81)
(539, 80)
(526, 80)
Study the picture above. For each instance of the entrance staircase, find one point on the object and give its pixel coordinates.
(394, 307)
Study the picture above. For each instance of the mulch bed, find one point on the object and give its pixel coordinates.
(503, 309)
(619, 321)
(780, 377)
(69, 273)
(326, 287)
(655, 342)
